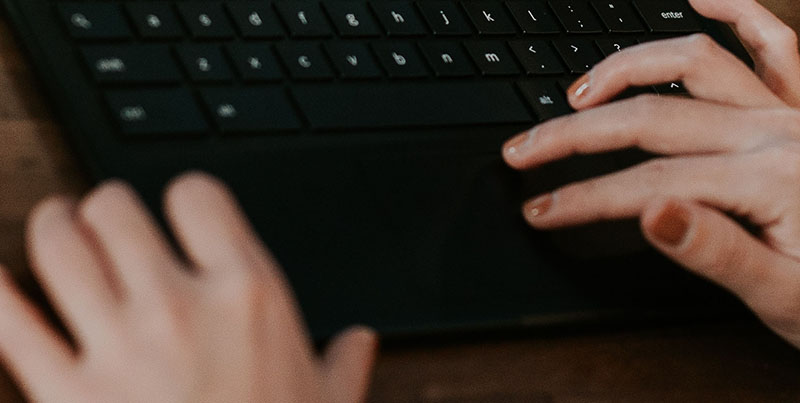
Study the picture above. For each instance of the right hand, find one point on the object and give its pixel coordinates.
(734, 149)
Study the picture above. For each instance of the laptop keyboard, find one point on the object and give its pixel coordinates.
(167, 68)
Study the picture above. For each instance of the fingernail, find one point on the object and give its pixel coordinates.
(671, 224)
(580, 88)
(539, 206)
(521, 143)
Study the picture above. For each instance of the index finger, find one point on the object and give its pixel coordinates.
(771, 43)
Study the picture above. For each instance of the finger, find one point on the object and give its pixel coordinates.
(663, 125)
(348, 364)
(706, 69)
(37, 356)
(70, 271)
(714, 246)
(772, 44)
(211, 228)
(131, 241)
(725, 182)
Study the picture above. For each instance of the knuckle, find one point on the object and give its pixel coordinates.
(645, 105)
(639, 112)
(784, 161)
(721, 263)
(168, 320)
(782, 36)
(242, 292)
(784, 122)
(700, 48)
(656, 167)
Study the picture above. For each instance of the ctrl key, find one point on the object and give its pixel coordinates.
(156, 112)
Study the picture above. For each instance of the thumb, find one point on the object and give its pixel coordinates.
(711, 244)
(348, 363)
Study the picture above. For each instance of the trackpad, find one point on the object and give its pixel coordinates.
(447, 206)
(442, 206)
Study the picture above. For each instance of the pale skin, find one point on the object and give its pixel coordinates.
(217, 322)
(732, 150)
(219, 325)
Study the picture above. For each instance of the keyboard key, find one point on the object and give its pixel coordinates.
(489, 17)
(398, 18)
(205, 20)
(154, 20)
(94, 21)
(410, 104)
(444, 18)
(204, 63)
(400, 59)
(254, 62)
(352, 60)
(579, 54)
(249, 110)
(545, 98)
(537, 57)
(448, 59)
(673, 88)
(611, 46)
(492, 58)
(671, 16)
(255, 19)
(618, 16)
(533, 17)
(576, 16)
(352, 19)
(304, 19)
(131, 64)
(304, 60)
(156, 111)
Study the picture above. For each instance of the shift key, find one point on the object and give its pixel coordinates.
(156, 112)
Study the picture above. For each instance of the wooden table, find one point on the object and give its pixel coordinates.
(731, 361)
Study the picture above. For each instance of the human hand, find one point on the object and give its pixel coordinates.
(733, 149)
(150, 326)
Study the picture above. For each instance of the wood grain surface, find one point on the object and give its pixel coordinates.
(727, 361)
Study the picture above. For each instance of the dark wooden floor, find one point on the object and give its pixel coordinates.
(711, 362)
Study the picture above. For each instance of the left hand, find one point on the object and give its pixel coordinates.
(213, 322)
(733, 149)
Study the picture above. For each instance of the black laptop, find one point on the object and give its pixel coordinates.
(363, 139)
